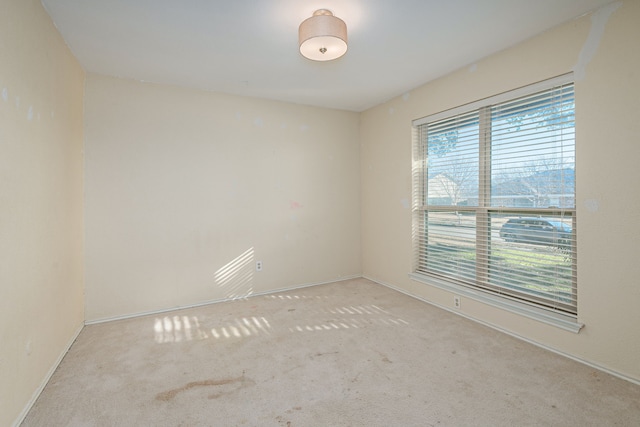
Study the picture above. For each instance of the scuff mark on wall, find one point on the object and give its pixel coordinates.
(406, 96)
(30, 113)
(598, 23)
(5, 94)
(591, 205)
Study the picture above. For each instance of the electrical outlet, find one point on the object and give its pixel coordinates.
(258, 265)
(456, 301)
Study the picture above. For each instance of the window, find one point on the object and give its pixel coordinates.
(494, 198)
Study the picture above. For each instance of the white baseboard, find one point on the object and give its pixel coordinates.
(510, 333)
(46, 379)
(216, 301)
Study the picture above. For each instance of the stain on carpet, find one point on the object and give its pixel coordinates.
(240, 382)
(385, 359)
(325, 354)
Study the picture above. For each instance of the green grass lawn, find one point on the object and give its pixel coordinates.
(542, 271)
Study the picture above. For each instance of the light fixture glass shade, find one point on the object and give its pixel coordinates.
(322, 37)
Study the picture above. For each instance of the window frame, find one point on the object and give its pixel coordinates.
(480, 290)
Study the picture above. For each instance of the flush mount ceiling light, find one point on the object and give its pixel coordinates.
(322, 37)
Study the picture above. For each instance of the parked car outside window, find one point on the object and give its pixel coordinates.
(538, 231)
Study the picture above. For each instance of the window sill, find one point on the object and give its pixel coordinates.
(566, 322)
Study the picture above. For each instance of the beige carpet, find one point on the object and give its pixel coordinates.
(352, 353)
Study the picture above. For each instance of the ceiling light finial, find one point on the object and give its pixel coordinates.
(322, 37)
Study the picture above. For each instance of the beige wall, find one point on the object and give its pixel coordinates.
(602, 49)
(186, 190)
(41, 294)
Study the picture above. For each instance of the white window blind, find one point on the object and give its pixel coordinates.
(494, 196)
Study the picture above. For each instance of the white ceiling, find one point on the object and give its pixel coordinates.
(250, 47)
